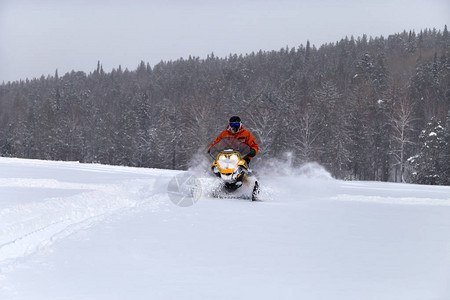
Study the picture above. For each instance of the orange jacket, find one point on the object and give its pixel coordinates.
(242, 135)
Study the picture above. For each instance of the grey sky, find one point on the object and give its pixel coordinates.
(39, 36)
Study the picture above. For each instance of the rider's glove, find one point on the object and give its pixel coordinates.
(252, 152)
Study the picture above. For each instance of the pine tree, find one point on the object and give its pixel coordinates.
(335, 137)
(431, 163)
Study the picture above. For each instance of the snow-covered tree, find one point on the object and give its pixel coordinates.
(265, 122)
(431, 163)
(335, 137)
(401, 122)
(307, 133)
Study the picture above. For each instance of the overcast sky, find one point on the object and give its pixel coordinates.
(37, 37)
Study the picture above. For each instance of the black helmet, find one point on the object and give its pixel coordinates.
(235, 119)
(235, 124)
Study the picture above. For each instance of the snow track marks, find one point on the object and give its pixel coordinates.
(27, 228)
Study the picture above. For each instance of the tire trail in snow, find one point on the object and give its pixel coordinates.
(28, 228)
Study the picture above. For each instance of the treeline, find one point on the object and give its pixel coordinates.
(365, 108)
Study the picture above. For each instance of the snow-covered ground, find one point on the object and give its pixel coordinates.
(78, 231)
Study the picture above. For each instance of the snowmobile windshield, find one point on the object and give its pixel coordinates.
(229, 143)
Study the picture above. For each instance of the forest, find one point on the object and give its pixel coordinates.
(365, 108)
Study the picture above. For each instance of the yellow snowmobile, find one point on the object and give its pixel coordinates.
(229, 165)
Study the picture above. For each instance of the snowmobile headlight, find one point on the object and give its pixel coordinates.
(234, 158)
(228, 161)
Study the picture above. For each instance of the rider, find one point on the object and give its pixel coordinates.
(236, 130)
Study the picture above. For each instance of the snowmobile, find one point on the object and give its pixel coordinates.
(229, 165)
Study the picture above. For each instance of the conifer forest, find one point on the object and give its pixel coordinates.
(365, 108)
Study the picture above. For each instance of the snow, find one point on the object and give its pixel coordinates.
(82, 231)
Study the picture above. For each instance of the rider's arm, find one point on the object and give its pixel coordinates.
(221, 135)
(253, 144)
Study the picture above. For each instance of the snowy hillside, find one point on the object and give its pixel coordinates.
(77, 231)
